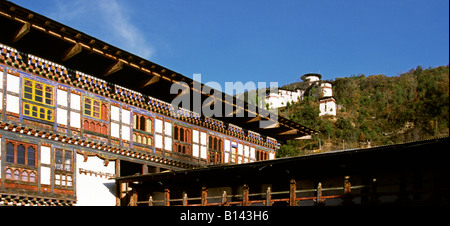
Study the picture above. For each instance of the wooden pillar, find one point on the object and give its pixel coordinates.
(118, 192)
(347, 192)
(204, 195)
(144, 169)
(245, 195)
(118, 184)
(347, 185)
(166, 197)
(150, 201)
(292, 195)
(133, 198)
(268, 197)
(319, 200)
(185, 199)
(374, 196)
(224, 198)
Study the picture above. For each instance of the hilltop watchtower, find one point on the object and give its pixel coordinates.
(311, 78)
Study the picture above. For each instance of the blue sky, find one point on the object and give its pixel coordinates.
(266, 40)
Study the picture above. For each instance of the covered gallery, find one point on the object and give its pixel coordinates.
(413, 173)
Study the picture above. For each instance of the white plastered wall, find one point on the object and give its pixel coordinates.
(12, 103)
(203, 149)
(93, 189)
(327, 91)
(327, 107)
(62, 97)
(115, 113)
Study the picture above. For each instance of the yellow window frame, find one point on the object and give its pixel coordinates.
(92, 107)
(39, 112)
(38, 92)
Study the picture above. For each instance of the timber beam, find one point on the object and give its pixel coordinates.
(73, 51)
(25, 29)
(150, 81)
(113, 68)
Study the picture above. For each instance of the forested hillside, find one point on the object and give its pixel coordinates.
(376, 109)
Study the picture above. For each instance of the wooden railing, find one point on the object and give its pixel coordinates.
(370, 193)
(267, 198)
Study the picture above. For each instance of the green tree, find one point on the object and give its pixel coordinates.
(288, 150)
(383, 109)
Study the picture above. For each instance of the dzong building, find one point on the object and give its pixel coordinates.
(76, 112)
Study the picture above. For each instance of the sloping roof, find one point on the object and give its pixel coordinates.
(310, 75)
(38, 35)
(376, 160)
